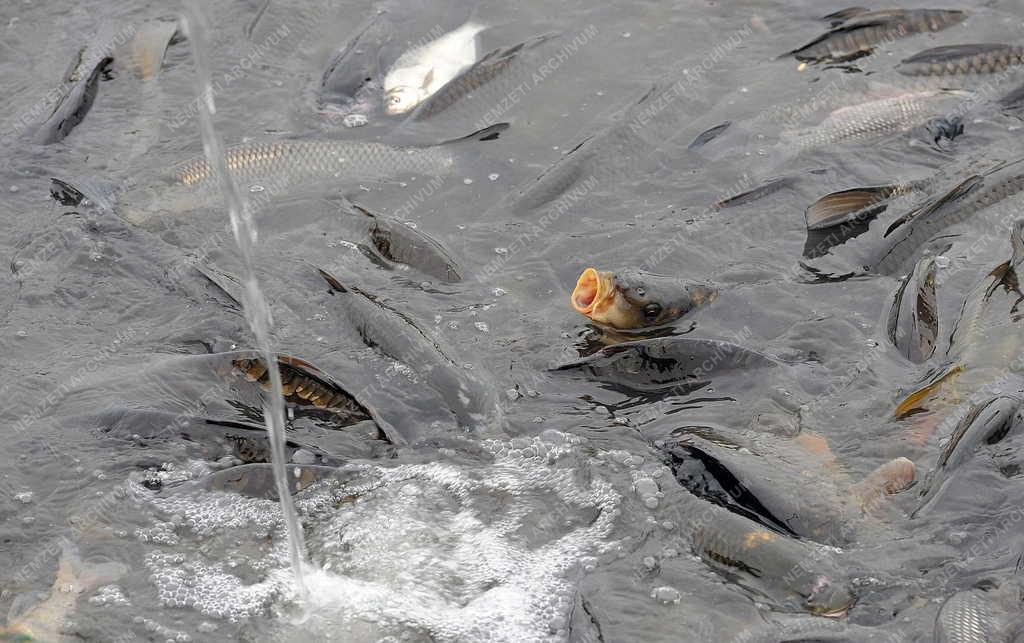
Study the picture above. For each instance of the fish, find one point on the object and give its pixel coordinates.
(958, 60)
(629, 299)
(354, 69)
(45, 621)
(708, 135)
(912, 325)
(855, 205)
(858, 32)
(891, 245)
(982, 614)
(987, 422)
(277, 166)
(476, 94)
(302, 384)
(393, 242)
(986, 342)
(667, 363)
(873, 119)
(144, 54)
(257, 480)
(381, 326)
(421, 71)
(1013, 100)
(79, 86)
(759, 485)
(803, 576)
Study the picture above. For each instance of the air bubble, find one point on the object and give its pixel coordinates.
(666, 594)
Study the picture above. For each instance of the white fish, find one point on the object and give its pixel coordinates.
(423, 70)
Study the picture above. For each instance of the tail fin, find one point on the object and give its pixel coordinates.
(912, 403)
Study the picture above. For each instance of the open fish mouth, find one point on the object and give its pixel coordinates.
(593, 289)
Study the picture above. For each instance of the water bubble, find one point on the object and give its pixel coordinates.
(666, 594)
(513, 394)
(256, 188)
(493, 176)
(498, 292)
(501, 251)
(467, 181)
(13, 188)
(22, 333)
(24, 497)
(481, 326)
(942, 261)
(354, 120)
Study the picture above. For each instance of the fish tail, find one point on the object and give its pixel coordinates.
(913, 402)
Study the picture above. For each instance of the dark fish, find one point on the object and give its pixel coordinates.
(892, 246)
(985, 423)
(399, 337)
(853, 205)
(204, 437)
(1014, 100)
(631, 299)
(708, 135)
(281, 166)
(392, 242)
(667, 362)
(768, 187)
(986, 341)
(798, 575)
(859, 31)
(79, 88)
(963, 59)
(355, 68)
(257, 480)
(913, 322)
(485, 85)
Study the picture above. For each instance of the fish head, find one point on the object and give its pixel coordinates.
(828, 598)
(635, 299)
(401, 99)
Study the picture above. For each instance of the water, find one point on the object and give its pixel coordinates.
(566, 512)
(257, 312)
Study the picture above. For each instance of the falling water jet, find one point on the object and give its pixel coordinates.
(257, 311)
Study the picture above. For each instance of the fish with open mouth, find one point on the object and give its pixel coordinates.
(860, 30)
(630, 299)
(423, 70)
(278, 166)
(959, 60)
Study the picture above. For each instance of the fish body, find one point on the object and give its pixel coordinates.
(872, 120)
(631, 299)
(396, 335)
(45, 621)
(959, 60)
(987, 340)
(801, 575)
(859, 32)
(80, 85)
(913, 322)
(277, 167)
(394, 242)
(423, 70)
(475, 95)
(144, 53)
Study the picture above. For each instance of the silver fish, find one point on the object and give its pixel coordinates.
(872, 120)
(423, 70)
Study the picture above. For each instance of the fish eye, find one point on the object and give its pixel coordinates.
(651, 311)
(640, 292)
(395, 99)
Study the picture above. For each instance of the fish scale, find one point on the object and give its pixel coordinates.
(958, 60)
(293, 161)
